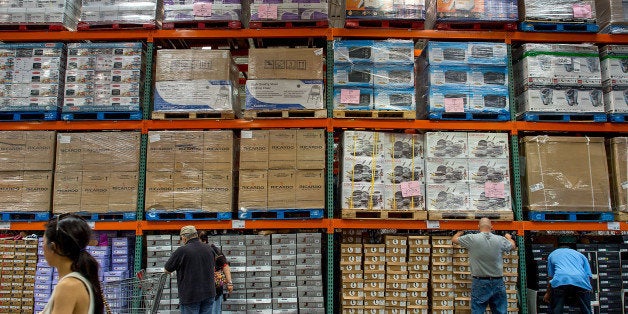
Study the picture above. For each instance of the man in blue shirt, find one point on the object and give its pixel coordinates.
(569, 275)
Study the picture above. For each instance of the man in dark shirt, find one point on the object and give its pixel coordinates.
(194, 264)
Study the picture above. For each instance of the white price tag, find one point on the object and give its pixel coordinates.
(5, 226)
(433, 224)
(237, 224)
(246, 134)
(613, 225)
(64, 139)
(92, 224)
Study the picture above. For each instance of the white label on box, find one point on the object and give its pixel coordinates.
(154, 138)
(64, 139)
(624, 185)
(247, 134)
(5, 226)
(537, 187)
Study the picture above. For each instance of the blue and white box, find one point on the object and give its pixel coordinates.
(490, 99)
(439, 95)
(394, 77)
(284, 94)
(440, 75)
(467, 53)
(491, 76)
(353, 51)
(393, 51)
(177, 96)
(365, 101)
(393, 99)
(359, 75)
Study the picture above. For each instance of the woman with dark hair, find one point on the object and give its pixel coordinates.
(78, 290)
(221, 265)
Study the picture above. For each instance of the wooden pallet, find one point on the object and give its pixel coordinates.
(294, 113)
(470, 215)
(476, 26)
(621, 216)
(202, 25)
(156, 115)
(86, 26)
(374, 23)
(384, 214)
(288, 24)
(375, 114)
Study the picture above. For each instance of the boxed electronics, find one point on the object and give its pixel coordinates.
(108, 74)
(489, 99)
(145, 12)
(365, 98)
(189, 11)
(64, 12)
(284, 94)
(394, 99)
(374, 51)
(355, 75)
(286, 63)
(619, 173)
(386, 10)
(570, 11)
(195, 80)
(616, 101)
(289, 11)
(466, 53)
(553, 163)
(561, 99)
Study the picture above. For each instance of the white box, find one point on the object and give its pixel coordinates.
(615, 71)
(479, 200)
(403, 170)
(389, 99)
(447, 196)
(446, 144)
(561, 100)
(488, 145)
(284, 94)
(446, 170)
(394, 200)
(482, 170)
(363, 143)
(363, 169)
(194, 95)
(616, 101)
(362, 195)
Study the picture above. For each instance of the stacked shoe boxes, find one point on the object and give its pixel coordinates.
(614, 62)
(419, 253)
(284, 272)
(143, 12)
(235, 252)
(44, 276)
(41, 12)
(158, 251)
(195, 80)
(281, 169)
(374, 277)
(442, 275)
(560, 78)
(96, 172)
(258, 269)
(201, 11)
(309, 270)
(375, 168)
(467, 172)
(32, 77)
(104, 77)
(17, 275)
(190, 170)
(374, 75)
(26, 170)
(287, 10)
(465, 77)
(396, 273)
(285, 79)
(352, 294)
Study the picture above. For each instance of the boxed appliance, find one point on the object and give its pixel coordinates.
(394, 99)
(439, 75)
(354, 75)
(394, 77)
(386, 9)
(616, 100)
(614, 68)
(558, 10)
(467, 53)
(359, 195)
(448, 99)
(286, 63)
(548, 99)
(565, 173)
(199, 11)
(619, 172)
(489, 99)
(106, 12)
(353, 98)
(284, 94)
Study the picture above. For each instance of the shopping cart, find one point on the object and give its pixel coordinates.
(137, 295)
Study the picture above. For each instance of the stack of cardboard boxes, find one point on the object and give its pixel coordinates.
(96, 172)
(190, 170)
(32, 77)
(195, 81)
(442, 275)
(159, 247)
(143, 12)
(374, 75)
(396, 273)
(104, 77)
(615, 80)
(414, 10)
(476, 11)
(285, 79)
(17, 275)
(610, 16)
(65, 13)
(419, 253)
(374, 274)
(619, 174)
(282, 169)
(201, 11)
(27, 161)
(352, 293)
(287, 11)
(555, 11)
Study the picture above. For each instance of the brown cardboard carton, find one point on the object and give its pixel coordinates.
(159, 190)
(119, 150)
(39, 151)
(11, 186)
(286, 63)
(619, 173)
(281, 189)
(311, 149)
(218, 149)
(160, 151)
(193, 64)
(37, 190)
(69, 152)
(253, 189)
(188, 150)
(566, 174)
(310, 189)
(282, 150)
(67, 191)
(188, 189)
(95, 192)
(123, 191)
(254, 149)
(217, 191)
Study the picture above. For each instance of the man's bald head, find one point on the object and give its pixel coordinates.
(485, 225)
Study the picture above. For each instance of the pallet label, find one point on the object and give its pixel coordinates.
(613, 225)
(433, 224)
(238, 224)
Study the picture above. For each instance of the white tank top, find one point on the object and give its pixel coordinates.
(88, 285)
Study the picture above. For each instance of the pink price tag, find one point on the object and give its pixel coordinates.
(454, 105)
(412, 188)
(202, 9)
(267, 11)
(350, 96)
(582, 10)
(494, 189)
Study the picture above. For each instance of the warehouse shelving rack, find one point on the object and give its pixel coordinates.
(330, 224)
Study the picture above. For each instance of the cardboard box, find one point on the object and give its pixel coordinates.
(67, 189)
(218, 150)
(193, 64)
(310, 189)
(616, 100)
(188, 189)
(311, 149)
(160, 151)
(26, 190)
(217, 191)
(159, 190)
(619, 172)
(253, 189)
(27, 150)
(282, 150)
(93, 151)
(254, 148)
(570, 100)
(286, 63)
(552, 166)
(195, 96)
(284, 94)
(281, 189)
